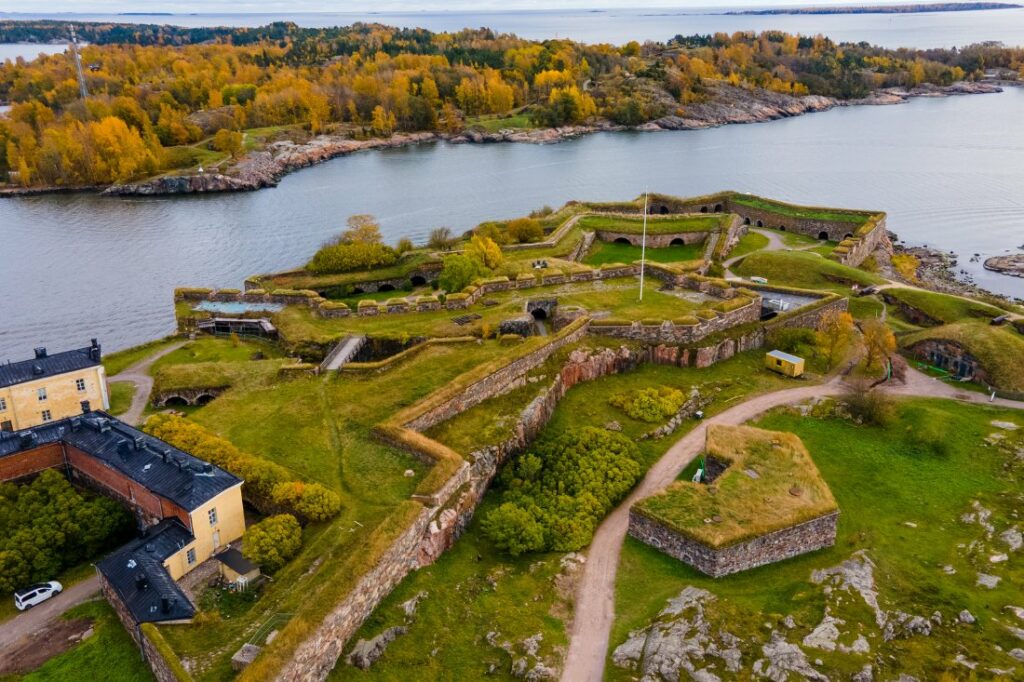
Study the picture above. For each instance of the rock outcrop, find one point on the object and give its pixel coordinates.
(1007, 265)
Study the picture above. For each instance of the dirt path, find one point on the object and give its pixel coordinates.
(138, 374)
(595, 596)
(30, 623)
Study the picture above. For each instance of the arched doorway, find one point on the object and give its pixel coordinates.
(746, 221)
(718, 208)
(782, 227)
(760, 223)
(677, 242)
(418, 280)
(823, 235)
(663, 210)
(358, 290)
(539, 313)
(204, 399)
(622, 240)
(175, 401)
(847, 236)
(386, 287)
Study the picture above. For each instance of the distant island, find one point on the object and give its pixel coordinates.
(883, 9)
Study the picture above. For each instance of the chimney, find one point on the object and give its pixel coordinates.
(165, 604)
(40, 352)
(86, 407)
(94, 351)
(27, 437)
(124, 449)
(138, 442)
(141, 583)
(76, 423)
(37, 369)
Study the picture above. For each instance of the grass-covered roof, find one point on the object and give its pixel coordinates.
(770, 483)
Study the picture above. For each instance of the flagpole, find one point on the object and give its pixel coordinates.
(643, 247)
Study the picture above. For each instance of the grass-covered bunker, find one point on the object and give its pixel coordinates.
(763, 502)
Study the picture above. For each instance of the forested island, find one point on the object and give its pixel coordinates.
(882, 9)
(234, 108)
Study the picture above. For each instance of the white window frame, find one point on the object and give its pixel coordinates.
(3, 404)
(47, 416)
(41, 394)
(80, 385)
(211, 514)
(190, 556)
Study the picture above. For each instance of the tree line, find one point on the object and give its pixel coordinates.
(160, 96)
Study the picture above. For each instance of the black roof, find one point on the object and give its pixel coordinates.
(45, 365)
(136, 572)
(234, 560)
(163, 469)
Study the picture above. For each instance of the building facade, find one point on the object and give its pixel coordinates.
(49, 388)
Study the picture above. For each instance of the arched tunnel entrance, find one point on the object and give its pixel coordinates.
(622, 240)
(418, 280)
(677, 242)
(823, 235)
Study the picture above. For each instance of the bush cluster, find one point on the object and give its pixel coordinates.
(267, 485)
(649, 404)
(334, 258)
(47, 526)
(273, 541)
(553, 497)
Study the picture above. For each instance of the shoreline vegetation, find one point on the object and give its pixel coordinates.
(881, 9)
(175, 110)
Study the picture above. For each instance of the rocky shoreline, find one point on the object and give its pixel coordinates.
(728, 106)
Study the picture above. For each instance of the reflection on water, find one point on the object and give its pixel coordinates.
(949, 172)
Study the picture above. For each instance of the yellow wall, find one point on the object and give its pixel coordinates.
(24, 409)
(230, 526)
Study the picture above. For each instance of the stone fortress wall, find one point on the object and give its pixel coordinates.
(785, 543)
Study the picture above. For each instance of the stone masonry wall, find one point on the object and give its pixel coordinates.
(437, 527)
(654, 241)
(765, 549)
(669, 332)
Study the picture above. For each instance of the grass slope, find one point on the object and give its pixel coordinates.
(803, 269)
(943, 307)
(1000, 350)
(603, 252)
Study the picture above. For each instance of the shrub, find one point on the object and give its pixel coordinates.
(871, 407)
(441, 239)
(263, 479)
(273, 541)
(404, 245)
(47, 526)
(309, 500)
(649, 404)
(524, 230)
(486, 251)
(346, 257)
(790, 339)
(458, 272)
(514, 530)
(553, 497)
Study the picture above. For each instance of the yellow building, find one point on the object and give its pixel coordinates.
(784, 363)
(49, 387)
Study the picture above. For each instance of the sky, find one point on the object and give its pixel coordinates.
(277, 6)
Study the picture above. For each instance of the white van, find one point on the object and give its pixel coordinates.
(36, 594)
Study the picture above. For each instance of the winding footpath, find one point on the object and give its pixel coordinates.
(138, 374)
(595, 594)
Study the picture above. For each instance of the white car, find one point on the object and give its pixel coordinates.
(36, 594)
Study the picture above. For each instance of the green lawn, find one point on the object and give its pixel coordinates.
(121, 394)
(603, 252)
(792, 210)
(803, 269)
(750, 242)
(883, 479)
(218, 349)
(472, 590)
(115, 363)
(655, 224)
(942, 308)
(109, 654)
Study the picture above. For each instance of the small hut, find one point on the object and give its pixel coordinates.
(235, 569)
(784, 363)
